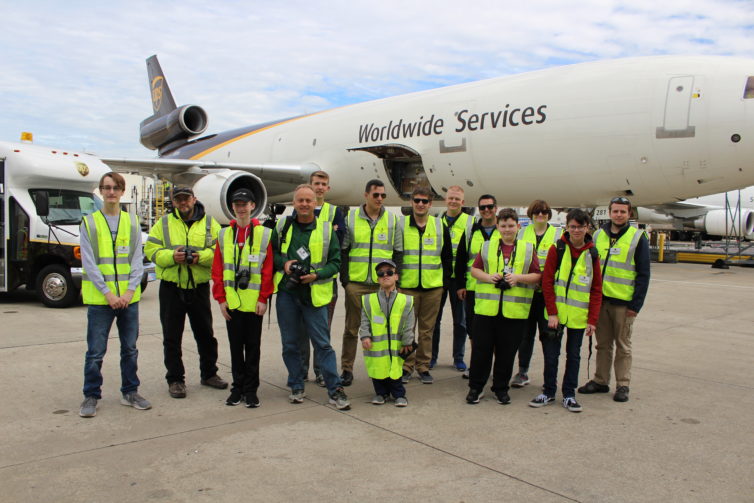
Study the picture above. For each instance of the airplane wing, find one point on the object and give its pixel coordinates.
(682, 209)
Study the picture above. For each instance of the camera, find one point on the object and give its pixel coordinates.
(190, 254)
(502, 284)
(555, 332)
(242, 279)
(294, 278)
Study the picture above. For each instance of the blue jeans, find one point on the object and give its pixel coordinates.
(298, 321)
(551, 352)
(99, 321)
(459, 326)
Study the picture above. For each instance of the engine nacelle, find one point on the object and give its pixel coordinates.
(714, 224)
(215, 190)
(178, 126)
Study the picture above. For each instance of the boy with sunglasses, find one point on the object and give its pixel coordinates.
(387, 334)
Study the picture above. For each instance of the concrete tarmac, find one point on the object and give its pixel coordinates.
(685, 435)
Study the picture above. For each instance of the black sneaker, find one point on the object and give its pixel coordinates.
(593, 387)
(406, 377)
(252, 401)
(571, 404)
(426, 377)
(503, 398)
(621, 394)
(474, 396)
(346, 378)
(234, 398)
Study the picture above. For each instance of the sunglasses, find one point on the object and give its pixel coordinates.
(483, 207)
(389, 272)
(419, 200)
(620, 200)
(540, 212)
(380, 195)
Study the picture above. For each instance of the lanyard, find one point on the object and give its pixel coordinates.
(115, 253)
(500, 251)
(248, 236)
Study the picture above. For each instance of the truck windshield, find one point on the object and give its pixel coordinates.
(68, 207)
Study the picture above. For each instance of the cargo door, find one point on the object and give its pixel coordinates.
(677, 109)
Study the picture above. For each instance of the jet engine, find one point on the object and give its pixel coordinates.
(174, 128)
(215, 190)
(714, 223)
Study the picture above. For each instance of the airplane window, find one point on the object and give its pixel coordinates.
(749, 91)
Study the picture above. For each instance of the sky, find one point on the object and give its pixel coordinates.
(74, 72)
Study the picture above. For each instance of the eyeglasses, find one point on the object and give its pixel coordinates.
(107, 188)
(483, 207)
(620, 200)
(419, 200)
(380, 195)
(577, 227)
(381, 274)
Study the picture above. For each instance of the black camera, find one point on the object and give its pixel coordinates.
(294, 278)
(554, 333)
(190, 254)
(502, 284)
(242, 279)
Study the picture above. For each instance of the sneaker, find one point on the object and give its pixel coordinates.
(215, 382)
(503, 398)
(320, 379)
(378, 400)
(460, 366)
(297, 396)
(426, 377)
(465, 374)
(593, 387)
(406, 377)
(340, 400)
(541, 400)
(88, 407)
(520, 380)
(234, 398)
(135, 400)
(177, 389)
(474, 396)
(621, 394)
(252, 402)
(432, 363)
(401, 402)
(571, 404)
(346, 378)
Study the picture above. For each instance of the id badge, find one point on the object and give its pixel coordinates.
(379, 319)
(429, 241)
(615, 251)
(583, 279)
(302, 253)
(508, 270)
(381, 236)
(122, 250)
(253, 258)
(453, 234)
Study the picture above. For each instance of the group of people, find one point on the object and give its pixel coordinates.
(504, 283)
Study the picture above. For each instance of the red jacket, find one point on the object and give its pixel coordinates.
(548, 278)
(218, 290)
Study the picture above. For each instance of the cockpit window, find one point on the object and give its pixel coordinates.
(749, 91)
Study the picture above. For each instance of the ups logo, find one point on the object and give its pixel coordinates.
(82, 168)
(157, 93)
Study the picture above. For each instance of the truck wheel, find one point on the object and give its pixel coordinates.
(55, 287)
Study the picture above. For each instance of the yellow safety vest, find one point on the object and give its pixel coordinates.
(549, 238)
(319, 247)
(618, 265)
(170, 233)
(235, 261)
(327, 212)
(474, 246)
(369, 245)
(573, 302)
(383, 359)
(461, 228)
(517, 300)
(422, 263)
(113, 259)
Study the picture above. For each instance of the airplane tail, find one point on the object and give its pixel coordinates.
(162, 99)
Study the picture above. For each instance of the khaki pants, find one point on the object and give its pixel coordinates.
(614, 328)
(426, 307)
(354, 291)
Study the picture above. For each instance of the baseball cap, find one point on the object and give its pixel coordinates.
(386, 261)
(243, 195)
(178, 191)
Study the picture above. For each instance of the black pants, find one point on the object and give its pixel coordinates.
(468, 305)
(386, 387)
(536, 320)
(498, 336)
(244, 336)
(175, 304)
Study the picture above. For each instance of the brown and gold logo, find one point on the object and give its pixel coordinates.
(157, 92)
(82, 168)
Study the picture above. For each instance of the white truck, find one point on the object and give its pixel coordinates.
(44, 194)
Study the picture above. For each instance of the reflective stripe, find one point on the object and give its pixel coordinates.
(166, 231)
(374, 246)
(486, 296)
(424, 267)
(154, 240)
(384, 337)
(620, 281)
(376, 354)
(359, 259)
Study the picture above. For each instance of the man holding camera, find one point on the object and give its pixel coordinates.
(307, 256)
(242, 283)
(181, 245)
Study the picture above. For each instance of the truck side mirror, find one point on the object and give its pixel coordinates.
(42, 203)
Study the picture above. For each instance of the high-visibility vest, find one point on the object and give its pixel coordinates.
(170, 233)
(517, 300)
(327, 212)
(319, 248)
(249, 258)
(572, 300)
(113, 259)
(549, 238)
(369, 246)
(383, 359)
(461, 228)
(618, 265)
(474, 246)
(422, 263)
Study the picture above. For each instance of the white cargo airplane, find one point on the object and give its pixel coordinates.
(658, 130)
